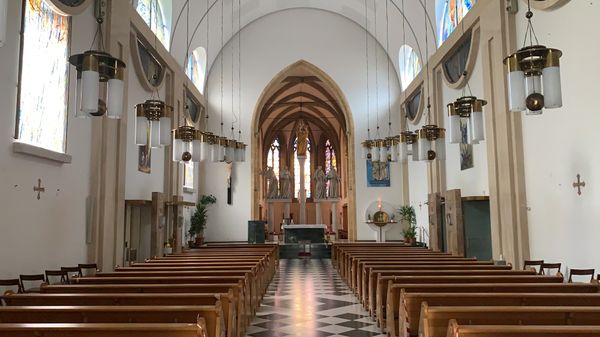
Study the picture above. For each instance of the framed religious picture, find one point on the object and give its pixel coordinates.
(378, 174)
(466, 149)
(144, 159)
(188, 177)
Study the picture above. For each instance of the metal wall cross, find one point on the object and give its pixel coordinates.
(39, 189)
(579, 184)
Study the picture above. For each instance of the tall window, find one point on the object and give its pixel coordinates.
(157, 13)
(330, 159)
(273, 156)
(43, 86)
(195, 68)
(307, 172)
(448, 15)
(410, 65)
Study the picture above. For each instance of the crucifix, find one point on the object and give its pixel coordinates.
(579, 184)
(39, 189)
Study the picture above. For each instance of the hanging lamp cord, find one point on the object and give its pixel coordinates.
(367, 64)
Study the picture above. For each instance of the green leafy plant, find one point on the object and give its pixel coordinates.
(408, 215)
(198, 220)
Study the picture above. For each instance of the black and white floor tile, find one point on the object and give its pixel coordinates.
(307, 298)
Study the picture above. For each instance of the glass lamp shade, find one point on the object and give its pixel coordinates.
(403, 152)
(177, 149)
(424, 147)
(533, 84)
(476, 122)
(415, 151)
(394, 149)
(243, 153)
(214, 153)
(230, 151)
(516, 84)
(196, 150)
(375, 154)
(440, 148)
(552, 87)
(79, 113)
(165, 131)
(3, 17)
(205, 149)
(114, 100)
(454, 129)
(90, 91)
(383, 153)
(141, 130)
(154, 134)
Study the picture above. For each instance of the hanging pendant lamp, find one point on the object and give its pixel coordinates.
(471, 108)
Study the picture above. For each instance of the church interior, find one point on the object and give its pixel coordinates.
(271, 168)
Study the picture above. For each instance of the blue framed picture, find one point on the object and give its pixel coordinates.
(378, 174)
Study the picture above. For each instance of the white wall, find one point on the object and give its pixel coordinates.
(563, 226)
(335, 45)
(48, 233)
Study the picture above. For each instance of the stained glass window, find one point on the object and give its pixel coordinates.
(196, 68)
(448, 14)
(156, 14)
(330, 159)
(410, 65)
(307, 172)
(42, 110)
(273, 156)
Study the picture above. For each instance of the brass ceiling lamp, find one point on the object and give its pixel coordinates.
(533, 75)
(430, 138)
(99, 80)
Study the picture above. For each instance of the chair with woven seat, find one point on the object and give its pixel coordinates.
(11, 284)
(549, 266)
(63, 276)
(581, 272)
(72, 272)
(532, 264)
(88, 269)
(32, 278)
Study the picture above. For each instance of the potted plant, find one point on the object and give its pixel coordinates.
(408, 215)
(198, 220)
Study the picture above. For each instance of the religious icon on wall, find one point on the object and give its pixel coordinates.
(466, 149)
(144, 159)
(378, 174)
(188, 177)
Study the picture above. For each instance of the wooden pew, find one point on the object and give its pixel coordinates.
(227, 301)
(460, 330)
(409, 314)
(383, 283)
(435, 320)
(104, 329)
(213, 315)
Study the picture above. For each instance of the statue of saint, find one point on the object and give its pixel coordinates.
(302, 134)
(334, 184)
(272, 183)
(320, 180)
(285, 183)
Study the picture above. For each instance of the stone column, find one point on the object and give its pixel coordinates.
(271, 216)
(302, 192)
(318, 213)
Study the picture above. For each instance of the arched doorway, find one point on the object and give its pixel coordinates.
(303, 92)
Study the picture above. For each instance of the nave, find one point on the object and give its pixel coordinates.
(308, 298)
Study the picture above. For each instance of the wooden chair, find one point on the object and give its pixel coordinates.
(12, 283)
(32, 278)
(581, 272)
(546, 266)
(88, 269)
(72, 272)
(62, 275)
(533, 264)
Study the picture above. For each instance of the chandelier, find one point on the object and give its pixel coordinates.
(153, 123)
(470, 108)
(533, 75)
(99, 81)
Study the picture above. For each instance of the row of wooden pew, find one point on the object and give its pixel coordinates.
(206, 292)
(416, 291)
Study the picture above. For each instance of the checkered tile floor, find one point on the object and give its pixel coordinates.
(308, 299)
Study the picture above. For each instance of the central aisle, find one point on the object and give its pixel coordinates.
(308, 299)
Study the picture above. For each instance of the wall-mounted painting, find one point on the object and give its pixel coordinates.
(466, 149)
(378, 174)
(144, 159)
(188, 177)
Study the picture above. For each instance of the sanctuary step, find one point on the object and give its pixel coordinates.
(297, 250)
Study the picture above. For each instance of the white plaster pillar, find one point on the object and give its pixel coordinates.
(302, 192)
(318, 213)
(334, 217)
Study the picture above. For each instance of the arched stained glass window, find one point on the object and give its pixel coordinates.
(42, 110)
(330, 159)
(157, 15)
(307, 172)
(273, 156)
(196, 68)
(448, 14)
(410, 66)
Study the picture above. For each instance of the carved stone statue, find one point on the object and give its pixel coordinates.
(302, 133)
(320, 180)
(272, 183)
(334, 184)
(285, 184)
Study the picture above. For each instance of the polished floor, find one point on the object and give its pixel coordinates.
(307, 298)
